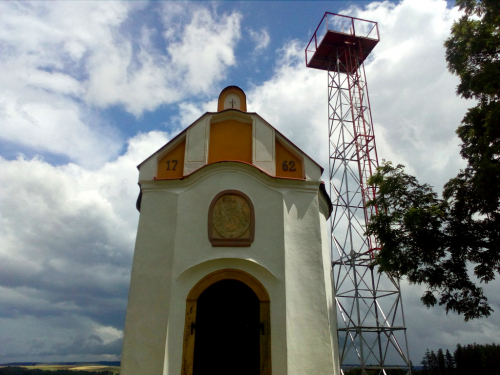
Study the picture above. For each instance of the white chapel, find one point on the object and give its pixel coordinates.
(231, 270)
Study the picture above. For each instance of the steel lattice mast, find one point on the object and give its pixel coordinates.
(371, 330)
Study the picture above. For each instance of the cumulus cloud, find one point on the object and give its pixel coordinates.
(50, 339)
(86, 345)
(411, 91)
(412, 94)
(432, 328)
(44, 50)
(190, 112)
(67, 231)
(415, 112)
(66, 241)
(202, 49)
(293, 101)
(66, 62)
(260, 38)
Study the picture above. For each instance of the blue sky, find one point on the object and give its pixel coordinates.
(90, 89)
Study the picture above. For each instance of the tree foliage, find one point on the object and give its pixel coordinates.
(470, 359)
(433, 241)
(449, 363)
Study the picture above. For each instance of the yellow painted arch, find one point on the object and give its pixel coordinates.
(229, 274)
(190, 319)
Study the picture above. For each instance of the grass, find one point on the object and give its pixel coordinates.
(96, 368)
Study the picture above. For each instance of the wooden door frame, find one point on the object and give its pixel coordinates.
(190, 320)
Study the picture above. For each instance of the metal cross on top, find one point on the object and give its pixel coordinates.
(232, 103)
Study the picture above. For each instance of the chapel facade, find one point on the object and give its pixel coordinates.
(231, 270)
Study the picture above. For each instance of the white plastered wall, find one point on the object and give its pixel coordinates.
(287, 256)
(149, 294)
(328, 276)
(263, 146)
(196, 153)
(309, 335)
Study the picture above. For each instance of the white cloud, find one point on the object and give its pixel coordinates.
(68, 60)
(294, 102)
(411, 91)
(52, 123)
(67, 232)
(415, 111)
(66, 243)
(433, 329)
(260, 38)
(43, 49)
(202, 49)
(412, 94)
(189, 112)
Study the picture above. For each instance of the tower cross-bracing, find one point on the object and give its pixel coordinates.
(371, 326)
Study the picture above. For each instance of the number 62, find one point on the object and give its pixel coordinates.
(288, 166)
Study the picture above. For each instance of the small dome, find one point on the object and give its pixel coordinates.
(232, 97)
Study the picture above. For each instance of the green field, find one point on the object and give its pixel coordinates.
(86, 367)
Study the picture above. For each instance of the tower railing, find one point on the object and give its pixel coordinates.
(340, 24)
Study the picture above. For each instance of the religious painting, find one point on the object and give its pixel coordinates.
(231, 220)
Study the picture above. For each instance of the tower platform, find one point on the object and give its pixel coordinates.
(338, 32)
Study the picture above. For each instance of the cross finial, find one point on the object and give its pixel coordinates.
(232, 103)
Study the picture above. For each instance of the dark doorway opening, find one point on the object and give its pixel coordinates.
(227, 330)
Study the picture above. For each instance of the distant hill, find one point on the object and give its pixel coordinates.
(100, 363)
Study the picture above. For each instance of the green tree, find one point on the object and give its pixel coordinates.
(426, 363)
(460, 359)
(441, 362)
(433, 364)
(450, 363)
(430, 240)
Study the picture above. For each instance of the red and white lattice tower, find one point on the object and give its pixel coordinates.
(371, 326)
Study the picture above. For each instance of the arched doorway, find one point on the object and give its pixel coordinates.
(227, 330)
(227, 326)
